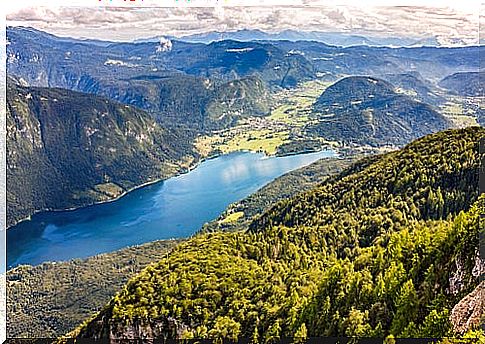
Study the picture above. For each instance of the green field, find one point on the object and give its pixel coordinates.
(256, 141)
(458, 114)
(231, 218)
(296, 104)
(267, 134)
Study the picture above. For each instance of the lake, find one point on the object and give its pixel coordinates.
(174, 208)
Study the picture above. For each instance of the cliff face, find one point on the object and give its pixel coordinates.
(104, 327)
(469, 312)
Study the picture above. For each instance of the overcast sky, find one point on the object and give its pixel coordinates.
(456, 20)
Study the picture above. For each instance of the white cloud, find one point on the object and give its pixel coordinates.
(164, 45)
(116, 23)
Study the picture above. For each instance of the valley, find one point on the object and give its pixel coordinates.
(307, 259)
(292, 124)
(283, 125)
(85, 285)
(249, 188)
(464, 111)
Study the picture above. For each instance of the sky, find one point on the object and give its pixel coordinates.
(449, 21)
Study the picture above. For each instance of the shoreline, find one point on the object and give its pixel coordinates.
(116, 198)
(175, 241)
(184, 170)
(181, 172)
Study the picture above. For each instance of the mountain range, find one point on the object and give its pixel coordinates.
(383, 246)
(169, 84)
(194, 88)
(331, 38)
(465, 83)
(107, 69)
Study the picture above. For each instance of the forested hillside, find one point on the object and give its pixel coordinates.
(83, 286)
(67, 149)
(414, 85)
(47, 300)
(181, 83)
(366, 110)
(387, 247)
(464, 83)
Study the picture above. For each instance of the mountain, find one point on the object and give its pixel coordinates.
(41, 59)
(237, 99)
(67, 149)
(46, 60)
(244, 35)
(433, 63)
(233, 59)
(284, 187)
(195, 102)
(332, 38)
(414, 85)
(367, 110)
(45, 36)
(468, 84)
(386, 247)
(178, 83)
(81, 286)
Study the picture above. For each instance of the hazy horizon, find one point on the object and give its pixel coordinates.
(449, 26)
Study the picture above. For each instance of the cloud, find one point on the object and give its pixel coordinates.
(164, 45)
(119, 24)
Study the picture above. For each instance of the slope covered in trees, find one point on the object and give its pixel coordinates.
(469, 84)
(83, 286)
(367, 110)
(68, 149)
(48, 300)
(179, 83)
(386, 247)
(414, 85)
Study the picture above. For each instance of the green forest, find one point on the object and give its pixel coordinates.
(89, 149)
(385, 248)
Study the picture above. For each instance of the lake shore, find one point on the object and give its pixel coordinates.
(148, 214)
(90, 287)
(183, 170)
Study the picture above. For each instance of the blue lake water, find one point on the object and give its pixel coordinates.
(174, 208)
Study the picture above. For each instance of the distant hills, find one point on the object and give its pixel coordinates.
(368, 111)
(108, 69)
(433, 63)
(385, 246)
(68, 149)
(194, 88)
(331, 38)
(45, 60)
(171, 85)
(413, 84)
(465, 83)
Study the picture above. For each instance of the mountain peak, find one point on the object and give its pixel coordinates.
(367, 110)
(355, 88)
